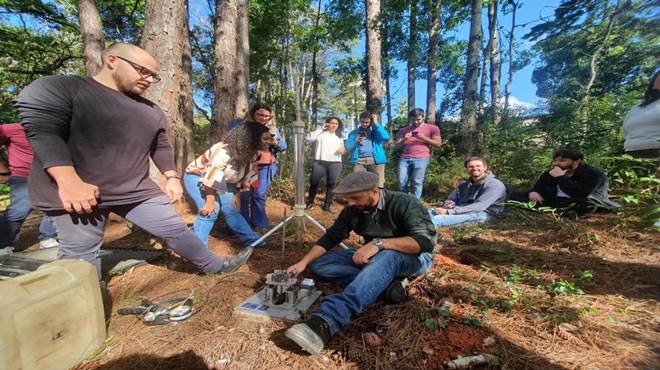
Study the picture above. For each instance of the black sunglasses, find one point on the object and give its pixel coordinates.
(141, 70)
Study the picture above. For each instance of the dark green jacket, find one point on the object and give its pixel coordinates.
(397, 215)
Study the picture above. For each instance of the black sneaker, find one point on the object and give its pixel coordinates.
(396, 293)
(232, 264)
(311, 335)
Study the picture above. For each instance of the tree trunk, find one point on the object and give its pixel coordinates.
(388, 99)
(484, 79)
(315, 73)
(507, 87)
(165, 36)
(434, 38)
(230, 65)
(596, 54)
(374, 80)
(92, 35)
(468, 134)
(412, 54)
(494, 60)
(243, 59)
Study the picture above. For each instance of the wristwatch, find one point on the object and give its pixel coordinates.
(379, 242)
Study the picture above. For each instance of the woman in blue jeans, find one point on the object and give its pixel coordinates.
(253, 202)
(215, 178)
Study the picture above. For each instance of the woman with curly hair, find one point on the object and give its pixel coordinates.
(253, 202)
(215, 178)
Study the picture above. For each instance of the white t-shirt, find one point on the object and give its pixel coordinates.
(641, 128)
(327, 144)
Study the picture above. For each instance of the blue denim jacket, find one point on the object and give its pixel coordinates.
(380, 135)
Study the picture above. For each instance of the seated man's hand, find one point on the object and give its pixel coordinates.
(362, 255)
(556, 172)
(297, 268)
(536, 197)
(441, 211)
(448, 204)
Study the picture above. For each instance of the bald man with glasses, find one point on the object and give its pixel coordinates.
(92, 139)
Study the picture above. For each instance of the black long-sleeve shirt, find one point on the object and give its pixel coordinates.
(397, 215)
(586, 182)
(107, 136)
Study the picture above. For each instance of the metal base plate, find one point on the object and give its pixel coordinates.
(257, 307)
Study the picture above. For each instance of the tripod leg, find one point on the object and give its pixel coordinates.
(322, 228)
(301, 231)
(270, 232)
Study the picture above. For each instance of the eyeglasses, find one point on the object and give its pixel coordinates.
(142, 70)
(266, 115)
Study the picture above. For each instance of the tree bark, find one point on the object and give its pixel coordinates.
(468, 134)
(315, 73)
(231, 65)
(484, 79)
(507, 87)
(243, 59)
(434, 39)
(374, 80)
(92, 35)
(388, 99)
(412, 54)
(165, 36)
(494, 60)
(596, 54)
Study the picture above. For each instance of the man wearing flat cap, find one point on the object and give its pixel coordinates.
(400, 239)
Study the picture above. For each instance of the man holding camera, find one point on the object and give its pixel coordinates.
(416, 139)
(366, 142)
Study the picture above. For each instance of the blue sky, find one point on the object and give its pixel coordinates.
(522, 88)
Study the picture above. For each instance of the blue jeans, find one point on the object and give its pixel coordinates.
(412, 169)
(451, 220)
(203, 224)
(18, 210)
(364, 284)
(253, 202)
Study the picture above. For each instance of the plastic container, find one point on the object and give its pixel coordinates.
(51, 318)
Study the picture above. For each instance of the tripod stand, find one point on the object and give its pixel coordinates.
(299, 211)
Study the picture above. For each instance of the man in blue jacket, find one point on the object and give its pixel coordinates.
(476, 199)
(366, 142)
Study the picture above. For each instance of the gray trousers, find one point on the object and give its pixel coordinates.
(368, 164)
(81, 236)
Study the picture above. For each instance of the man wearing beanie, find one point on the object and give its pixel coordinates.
(400, 240)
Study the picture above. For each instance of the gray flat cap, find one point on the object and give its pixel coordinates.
(357, 181)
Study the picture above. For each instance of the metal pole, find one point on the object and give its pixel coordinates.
(299, 167)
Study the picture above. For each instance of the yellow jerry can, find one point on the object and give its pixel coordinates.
(51, 318)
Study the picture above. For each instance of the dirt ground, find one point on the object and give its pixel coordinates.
(535, 292)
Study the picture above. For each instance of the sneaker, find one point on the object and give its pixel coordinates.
(396, 293)
(232, 264)
(49, 243)
(311, 335)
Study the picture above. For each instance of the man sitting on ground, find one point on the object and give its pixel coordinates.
(571, 183)
(476, 199)
(400, 240)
